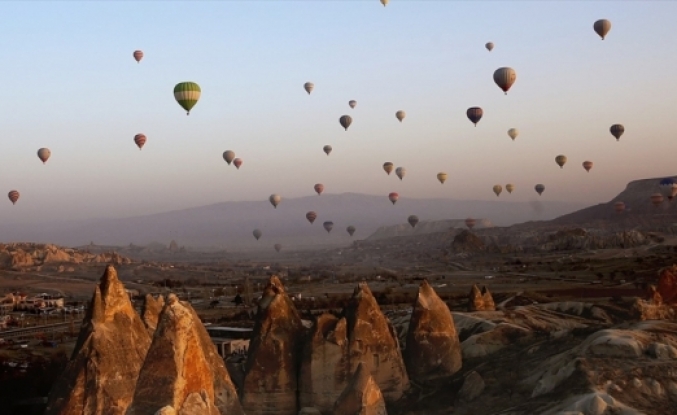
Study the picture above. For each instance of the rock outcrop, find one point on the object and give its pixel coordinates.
(667, 285)
(468, 242)
(362, 396)
(480, 299)
(270, 380)
(18, 256)
(150, 313)
(433, 349)
(102, 374)
(183, 372)
(338, 345)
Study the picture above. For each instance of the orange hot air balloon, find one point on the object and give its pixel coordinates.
(319, 188)
(657, 199)
(237, 163)
(140, 140)
(587, 165)
(13, 196)
(138, 55)
(311, 216)
(619, 207)
(470, 223)
(393, 197)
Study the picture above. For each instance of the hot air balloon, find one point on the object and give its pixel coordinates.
(668, 188)
(504, 78)
(311, 216)
(140, 140)
(138, 55)
(619, 207)
(393, 197)
(561, 160)
(602, 27)
(489, 46)
(277, 247)
(474, 114)
(187, 94)
(400, 172)
(352, 103)
(275, 200)
(656, 199)
(237, 163)
(498, 189)
(345, 121)
(350, 230)
(587, 165)
(413, 220)
(319, 188)
(388, 167)
(400, 115)
(513, 133)
(384, 3)
(13, 196)
(327, 149)
(43, 154)
(442, 177)
(309, 86)
(257, 234)
(509, 187)
(228, 155)
(617, 131)
(328, 226)
(470, 223)
(539, 188)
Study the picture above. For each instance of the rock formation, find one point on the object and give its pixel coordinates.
(667, 284)
(480, 300)
(362, 396)
(19, 256)
(433, 349)
(102, 373)
(466, 241)
(183, 372)
(338, 345)
(270, 380)
(151, 312)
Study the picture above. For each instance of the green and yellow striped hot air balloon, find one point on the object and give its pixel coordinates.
(187, 94)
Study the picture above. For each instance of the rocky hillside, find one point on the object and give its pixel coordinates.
(25, 256)
(424, 227)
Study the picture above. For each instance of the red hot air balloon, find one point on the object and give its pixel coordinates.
(13, 196)
(311, 216)
(393, 197)
(237, 163)
(587, 165)
(138, 55)
(470, 223)
(140, 140)
(319, 188)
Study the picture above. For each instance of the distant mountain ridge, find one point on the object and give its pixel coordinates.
(425, 227)
(229, 225)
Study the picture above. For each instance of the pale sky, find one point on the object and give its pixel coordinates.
(71, 84)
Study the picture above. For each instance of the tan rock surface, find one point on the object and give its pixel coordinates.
(102, 373)
(480, 299)
(150, 313)
(182, 371)
(433, 348)
(362, 396)
(271, 372)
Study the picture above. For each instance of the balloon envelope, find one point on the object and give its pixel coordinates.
(400, 115)
(505, 77)
(388, 167)
(489, 46)
(309, 86)
(138, 55)
(319, 188)
(413, 220)
(509, 187)
(140, 140)
(237, 163)
(617, 131)
(257, 234)
(401, 172)
(327, 149)
(539, 188)
(587, 165)
(44, 154)
(328, 226)
(393, 197)
(345, 121)
(352, 103)
(498, 189)
(668, 188)
(187, 95)
(229, 156)
(275, 200)
(513, 133)
(442, 177)
(311, 216)
(561, 160)
(277, 247)
(13, 196)
(474, 114)
(350, 230)
(602, 27)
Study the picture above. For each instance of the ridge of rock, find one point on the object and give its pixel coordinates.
(480, 299)
(433, 347)
(271, 373)
(94, 381)
(150, 312)
(362, 396)
(182, 371)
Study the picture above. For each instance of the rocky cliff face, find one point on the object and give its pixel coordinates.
(480, 299)
(18, 256)
(270, 381)
(338, 345)
(667, 285)
(150, 314)
(433, 349)
(102, 373)
(182, 373)
(362, 396)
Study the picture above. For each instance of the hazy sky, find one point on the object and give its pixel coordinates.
(71, 84)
